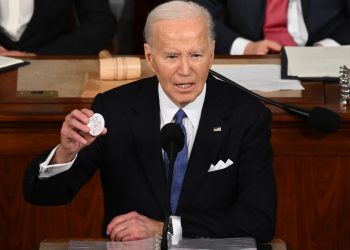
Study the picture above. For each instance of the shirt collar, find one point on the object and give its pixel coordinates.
(168, 109)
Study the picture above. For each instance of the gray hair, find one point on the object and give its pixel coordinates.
(177, 10)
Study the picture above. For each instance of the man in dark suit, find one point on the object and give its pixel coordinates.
(54, 29)
(239, 24)
(228, 189)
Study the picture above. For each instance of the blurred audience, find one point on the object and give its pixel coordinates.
(123, 10)
(265, 26)
(55, 27)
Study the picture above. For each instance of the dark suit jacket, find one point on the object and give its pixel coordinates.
(238, 18)
(50, 28)
(237, 201)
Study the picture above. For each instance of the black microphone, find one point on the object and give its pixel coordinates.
(172, 140)
(320, 118)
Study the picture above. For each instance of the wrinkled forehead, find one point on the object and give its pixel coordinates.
(191, 28)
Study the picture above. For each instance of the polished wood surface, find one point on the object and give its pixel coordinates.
(63, 244)
(312, 172)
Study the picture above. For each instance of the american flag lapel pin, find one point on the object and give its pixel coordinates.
(217, 129)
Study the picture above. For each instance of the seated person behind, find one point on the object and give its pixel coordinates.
(222, 123)
(46, 27)
(265, 26)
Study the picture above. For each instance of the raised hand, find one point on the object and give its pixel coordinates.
(74, 135)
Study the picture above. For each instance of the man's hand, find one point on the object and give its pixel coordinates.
(262, 47)
(5, 52)
(133, 226)
(74, 135)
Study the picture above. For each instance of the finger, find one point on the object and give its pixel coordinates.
(69, 134)
(29, 54)
(80, 115)
(118, 232)
(87, 112)
(17, 53)
(131, 237)
(12, 53)
(128, 238)
(115, 221)
(78, 121)
(135, 230)
(78, 126)
(129, 229)
(75, 129)
(262, 51)
(104, 131)
(120, 219)
(274, 46)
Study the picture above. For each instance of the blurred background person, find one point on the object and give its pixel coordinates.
(131, 17)
(55, 27)
(124, 12)
(130, 24)
(265, 26)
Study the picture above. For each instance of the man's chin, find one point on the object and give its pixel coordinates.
(184, 101)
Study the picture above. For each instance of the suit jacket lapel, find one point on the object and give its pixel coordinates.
(40, 9)
(304, 8)
(146, 128)
(207, 142)
(261, 18)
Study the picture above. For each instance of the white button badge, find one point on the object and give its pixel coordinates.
(96, 124)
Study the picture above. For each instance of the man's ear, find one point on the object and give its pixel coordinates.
(148, 56)
(212, 52)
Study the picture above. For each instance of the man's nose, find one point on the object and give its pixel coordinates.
(184, 68)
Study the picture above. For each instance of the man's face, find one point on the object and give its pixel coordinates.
(181, 55)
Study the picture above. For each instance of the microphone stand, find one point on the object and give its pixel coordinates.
(290, 109)
(172, 158)
(323, 119)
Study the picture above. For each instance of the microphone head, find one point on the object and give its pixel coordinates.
(325, 120)
(172, 139)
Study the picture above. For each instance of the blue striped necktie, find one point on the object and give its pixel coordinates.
(180, 165)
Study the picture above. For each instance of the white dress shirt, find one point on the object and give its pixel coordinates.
(296, 28)
(168, 110)
(193, 111)
(15, 16)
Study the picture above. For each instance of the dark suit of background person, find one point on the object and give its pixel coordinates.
(238, 18)
(236, 201)
(50, 29)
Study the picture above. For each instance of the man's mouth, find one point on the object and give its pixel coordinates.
(185, 85)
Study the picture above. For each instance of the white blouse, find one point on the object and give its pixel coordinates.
(15, 16)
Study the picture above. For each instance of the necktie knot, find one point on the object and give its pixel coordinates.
(179, 116)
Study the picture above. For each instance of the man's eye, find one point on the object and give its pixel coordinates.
(171, 56)
(196, 55)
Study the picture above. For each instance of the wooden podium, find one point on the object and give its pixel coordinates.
(63, 244)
